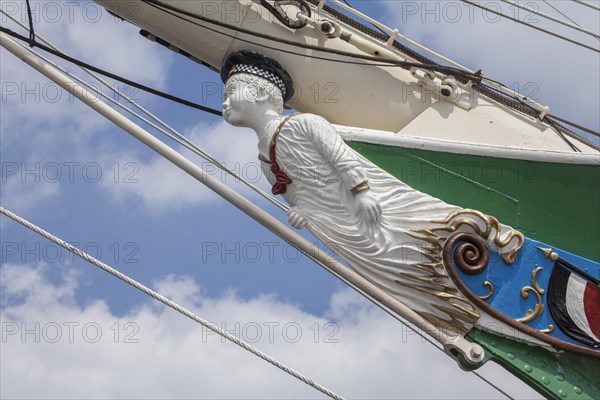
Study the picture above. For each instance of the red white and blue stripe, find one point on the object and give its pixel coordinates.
(574, 303)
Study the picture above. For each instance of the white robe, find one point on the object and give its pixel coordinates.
(323, 170)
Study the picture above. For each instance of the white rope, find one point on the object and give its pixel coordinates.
(310, 256)
(185, 143)
(532, 26)
(192, 147)
(560, 12)
(307, 254)
(551, 18)
(174, 135)
(317, 261)
(169, 303)
(590, 5)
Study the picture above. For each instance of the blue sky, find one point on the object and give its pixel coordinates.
(77, 176)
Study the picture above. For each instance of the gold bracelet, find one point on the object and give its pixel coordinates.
(360, 188)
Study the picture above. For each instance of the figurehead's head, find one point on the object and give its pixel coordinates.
(253, 81)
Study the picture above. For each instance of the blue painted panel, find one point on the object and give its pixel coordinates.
(508, 280)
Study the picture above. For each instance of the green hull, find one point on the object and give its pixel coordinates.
(554, 375)
(557, 204)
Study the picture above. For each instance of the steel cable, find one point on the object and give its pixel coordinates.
(169, 303)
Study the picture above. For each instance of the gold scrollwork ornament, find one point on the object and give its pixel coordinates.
(490, 293)
(537, 310)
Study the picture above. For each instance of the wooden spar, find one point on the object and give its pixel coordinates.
(453, 344)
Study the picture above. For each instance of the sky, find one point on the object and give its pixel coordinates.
(70, 330)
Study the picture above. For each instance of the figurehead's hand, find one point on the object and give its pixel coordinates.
(369, 210)
(295, 218)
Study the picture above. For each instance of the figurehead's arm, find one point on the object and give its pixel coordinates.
(339, 156)
(344, 161)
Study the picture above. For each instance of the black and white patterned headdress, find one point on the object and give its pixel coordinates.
(251, 62)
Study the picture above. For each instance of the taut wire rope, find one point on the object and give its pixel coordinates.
(556, 35)
(571, 25)
(174, 134)
(372, 300)
(588, 4)
(169, 303)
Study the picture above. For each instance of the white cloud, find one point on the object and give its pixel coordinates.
(58, 130)
(85, 351)
(76, 28)
(174, 358)
(121, 49)
(163, 186)
(20, 194)
(43, 124)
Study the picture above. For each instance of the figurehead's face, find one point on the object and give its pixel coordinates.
(239, 101)
(245, 95)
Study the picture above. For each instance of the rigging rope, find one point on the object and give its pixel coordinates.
(317, 261)
(486, 90)
(281, 14)
(562, 136)
(214, 327)
(501, 97)
(532, 10)
(474, 77)
(113, 76)
(30, 19)
(174, 134)
(283, 206)
(560, 12)
(169, 303)
(558, 131)
(573, 124)
(373, 25)
(428, 64)
(275, 201)
(531, 25)
(432, 66)
(384, 62)
(206, 323)
(590, 5)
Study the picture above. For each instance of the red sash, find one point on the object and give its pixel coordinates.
(282, 180)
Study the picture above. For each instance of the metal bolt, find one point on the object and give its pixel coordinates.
(326, 27)
(476, 352)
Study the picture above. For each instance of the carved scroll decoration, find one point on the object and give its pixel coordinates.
(492, 227)
(471, 255)
(490, 294)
